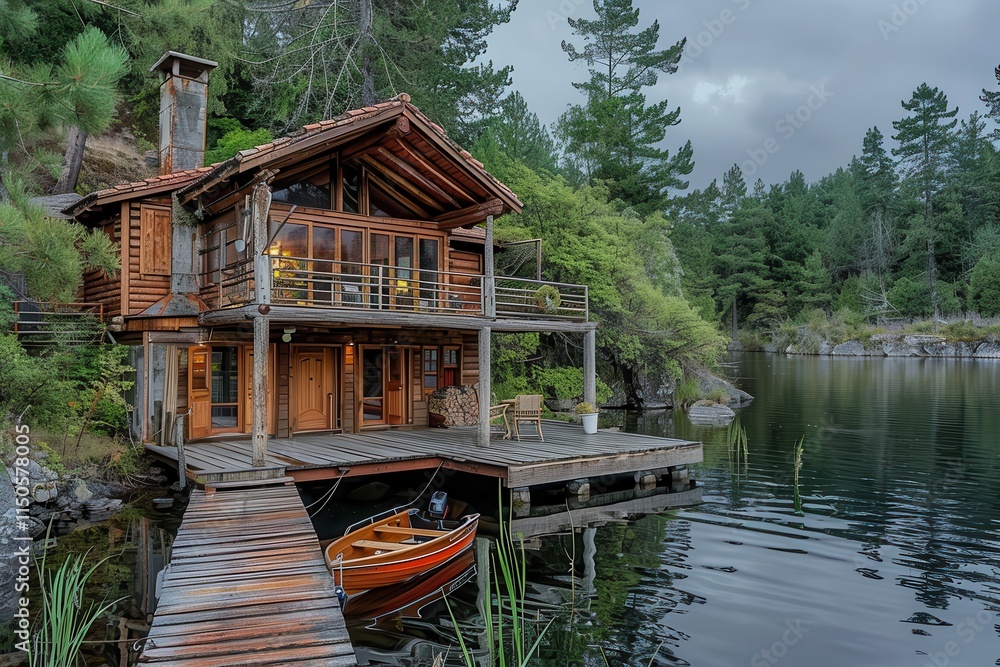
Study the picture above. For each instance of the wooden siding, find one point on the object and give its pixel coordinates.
(156, 242)
(97, 286)
(284, 428)
(143, 289)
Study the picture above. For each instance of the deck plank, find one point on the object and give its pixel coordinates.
(566, 453)
(247, 585)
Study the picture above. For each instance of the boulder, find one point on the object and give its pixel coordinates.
(9, 533)
(851, 348)
(79, 491)
(711, 415)
(987, 351)
(708, 383)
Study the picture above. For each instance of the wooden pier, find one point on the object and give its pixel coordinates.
(567, 453)
(247, 585)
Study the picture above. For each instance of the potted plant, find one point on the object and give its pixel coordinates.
(588, 415)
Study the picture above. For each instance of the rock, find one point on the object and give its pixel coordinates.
(941, 349)
(8, 547)
(918, 340)
(79, 491)
(899, 349)
(711, 415)
(824, 348)
(43, 493)
(988, 351)
(851, 348)
(708, 383)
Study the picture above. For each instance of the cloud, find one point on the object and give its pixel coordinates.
(731, 91)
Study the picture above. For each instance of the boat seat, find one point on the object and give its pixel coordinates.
(403, 530)
(375, 544)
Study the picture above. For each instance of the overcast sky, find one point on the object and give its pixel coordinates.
(774, 85)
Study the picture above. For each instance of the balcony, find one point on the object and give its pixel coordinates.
(324, 284)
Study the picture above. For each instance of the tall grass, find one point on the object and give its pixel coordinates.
(796, 467)
(739, 451)
(508, 630)
(66, 618)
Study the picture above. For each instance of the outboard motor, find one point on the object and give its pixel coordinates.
(437, 508)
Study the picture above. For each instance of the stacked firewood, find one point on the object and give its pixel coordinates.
(455, 406)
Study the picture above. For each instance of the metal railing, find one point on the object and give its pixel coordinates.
(41, 323)
(320, 283)
(519, 297)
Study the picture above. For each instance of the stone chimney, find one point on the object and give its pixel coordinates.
(183, 110)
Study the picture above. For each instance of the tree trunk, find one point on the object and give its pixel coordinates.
(72, 160)
(367, 70)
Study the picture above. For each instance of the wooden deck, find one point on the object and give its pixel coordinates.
(247, 585)
(566, 454)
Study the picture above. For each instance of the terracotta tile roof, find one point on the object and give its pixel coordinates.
(194, 178)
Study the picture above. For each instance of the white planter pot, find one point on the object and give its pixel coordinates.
(589, 423)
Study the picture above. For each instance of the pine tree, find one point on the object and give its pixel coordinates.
(520, 135)
(992, 99)
(615, 135)
(878, 173)
(734, 191)
(925, 140)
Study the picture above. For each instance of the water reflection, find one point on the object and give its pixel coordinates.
(894, 560)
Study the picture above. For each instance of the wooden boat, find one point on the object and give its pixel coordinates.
(408, 598)
(396, 548)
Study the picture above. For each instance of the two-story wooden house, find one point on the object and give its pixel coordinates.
(345, 271)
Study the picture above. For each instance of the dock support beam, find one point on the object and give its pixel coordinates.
(259, 208)
(590, 367)
(483, 430)
(490, 310)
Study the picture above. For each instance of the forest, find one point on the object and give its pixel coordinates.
(907, 230)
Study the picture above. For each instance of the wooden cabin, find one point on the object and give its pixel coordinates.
(345, 271)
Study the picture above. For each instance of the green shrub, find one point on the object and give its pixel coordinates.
(911, 298)
(984, 286)
(585, 408)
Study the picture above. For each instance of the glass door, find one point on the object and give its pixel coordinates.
(372, 386)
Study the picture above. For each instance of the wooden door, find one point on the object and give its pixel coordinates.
(395, 386)
(199, 392)
(312, 382)
(272, 395)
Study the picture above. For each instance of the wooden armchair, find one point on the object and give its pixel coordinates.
(528, 408)
(499, 422)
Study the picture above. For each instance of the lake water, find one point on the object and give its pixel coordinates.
(893, 560)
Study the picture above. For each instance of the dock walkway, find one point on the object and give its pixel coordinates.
(247, 585)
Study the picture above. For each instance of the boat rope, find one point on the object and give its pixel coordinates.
(328, 496)
(426, 486)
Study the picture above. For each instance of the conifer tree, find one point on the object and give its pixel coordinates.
(615, 134)
(925, 140)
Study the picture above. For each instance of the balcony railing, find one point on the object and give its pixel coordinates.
(314, 283)
(37, 324)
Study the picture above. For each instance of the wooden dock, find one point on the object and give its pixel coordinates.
(567, 453)
(247, 585)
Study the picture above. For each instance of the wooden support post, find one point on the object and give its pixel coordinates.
(181, 461)
(590, 367)
(489, 280)
(260, 206)
(485, 388)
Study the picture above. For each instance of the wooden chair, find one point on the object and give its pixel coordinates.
(528, 408)
(499, 422)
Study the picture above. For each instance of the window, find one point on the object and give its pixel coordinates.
(304, 194)
(449, 367)
(428, 272)
(383, 205)
(430, 369)
(156, 241)
(352, 189)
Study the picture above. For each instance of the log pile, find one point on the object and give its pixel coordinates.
(456, 406)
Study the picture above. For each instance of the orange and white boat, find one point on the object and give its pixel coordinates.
(393, 549)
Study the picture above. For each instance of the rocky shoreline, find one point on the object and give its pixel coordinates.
(891, 345)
